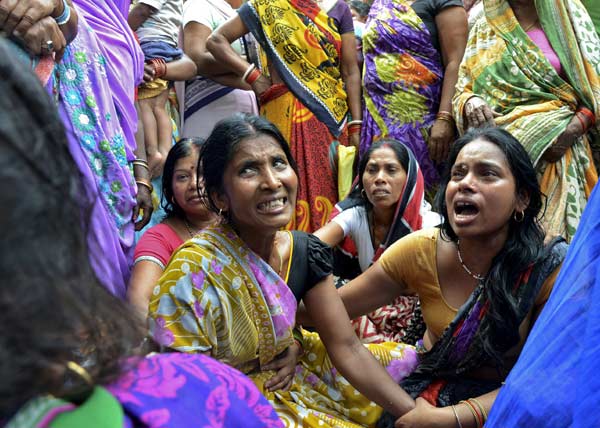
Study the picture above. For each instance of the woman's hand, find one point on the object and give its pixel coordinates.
(285, 365)
(261, 85)
(477, 113)
(44, 31)
(565, 140)
(18, 16)
(143, 203)
(440, 138)
(424, 415)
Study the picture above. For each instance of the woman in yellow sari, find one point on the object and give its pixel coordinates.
(532, 67)
(223, 294)
(310, 84)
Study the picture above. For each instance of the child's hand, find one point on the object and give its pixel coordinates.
(149, 72)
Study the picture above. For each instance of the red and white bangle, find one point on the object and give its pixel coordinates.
(253, 76)
(248, 71)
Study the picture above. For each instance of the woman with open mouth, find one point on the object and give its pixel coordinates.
(482, 278)
(385, 204)
(232, 292)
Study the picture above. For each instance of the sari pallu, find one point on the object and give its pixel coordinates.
(96, 106)
(505, 68)
(400, 321)
(217, 296)
(304, 47)
(442, 374)
(402, 77)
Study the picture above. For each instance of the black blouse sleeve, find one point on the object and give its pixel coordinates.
(320, 260)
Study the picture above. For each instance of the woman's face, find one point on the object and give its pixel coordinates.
(481, 196)
(260, 186)
(184, 187)
(383, 179)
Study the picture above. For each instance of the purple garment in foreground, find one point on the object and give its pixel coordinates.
(403, 77)
(95, 83)
(191, 391)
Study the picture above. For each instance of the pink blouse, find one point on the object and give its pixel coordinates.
(538, 37)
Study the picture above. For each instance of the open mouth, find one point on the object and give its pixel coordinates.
(380, 192)
(272, 205)
(465, 209)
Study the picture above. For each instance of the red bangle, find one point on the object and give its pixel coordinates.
(587, 113)
(160, 67)
(353, 131)
(253, 76)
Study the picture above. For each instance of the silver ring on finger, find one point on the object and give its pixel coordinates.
(48, 46)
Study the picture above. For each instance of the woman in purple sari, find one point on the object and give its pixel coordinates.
(93, 79)
(412, 50)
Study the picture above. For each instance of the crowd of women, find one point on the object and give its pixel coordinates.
(303, 274)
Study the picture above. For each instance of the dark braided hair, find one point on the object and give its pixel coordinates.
(52, 306)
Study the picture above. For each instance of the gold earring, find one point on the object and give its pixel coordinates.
(80, 371)
(519, 216)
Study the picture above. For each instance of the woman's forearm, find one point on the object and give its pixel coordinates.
(221, 50)
(367, 375)
(354, 90)
(448, 86)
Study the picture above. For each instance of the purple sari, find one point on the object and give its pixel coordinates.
(403, 77)
(95, 84)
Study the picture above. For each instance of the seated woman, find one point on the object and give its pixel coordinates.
(385, 205)
(186, 214)
(232, 291)
(532, 68)
(67, 358)
(482, 280)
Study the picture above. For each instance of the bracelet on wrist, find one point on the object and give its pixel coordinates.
(146, 184)
(355, 122)
(248, 71)
(253, 76)
(583, 125)
(587, 113)
(445, 115)
(160, 67)
(65, 16)
(142, 163)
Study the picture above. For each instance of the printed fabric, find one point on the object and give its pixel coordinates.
(160, 391)
(402, 77)
(213, 297)
(440, 377)
(504, 67)
(401, 321)
(305, 48)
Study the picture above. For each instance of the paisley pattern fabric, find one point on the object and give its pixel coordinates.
(403, 77)
(506, 68)
(217, 296)
(304, 46)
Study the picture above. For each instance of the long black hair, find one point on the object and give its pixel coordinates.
(525, 242)
(222, 143)
(183, 148)
(52, 307)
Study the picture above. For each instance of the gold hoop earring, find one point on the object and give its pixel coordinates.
(363, 193)
(81, 372)
(220, 211)
(519, 216)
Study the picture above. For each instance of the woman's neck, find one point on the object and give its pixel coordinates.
(198, 222)
(524, 10)
(261, 243)
(382, 218)
(478, 254)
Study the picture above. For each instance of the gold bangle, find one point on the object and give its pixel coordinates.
(481, 408)
(458, 423)
(142, 163)
(145, 184)
(473, 411)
